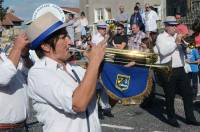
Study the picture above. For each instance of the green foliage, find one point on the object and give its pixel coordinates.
(2, 10)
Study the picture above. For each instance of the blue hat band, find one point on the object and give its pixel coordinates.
(170, 22)
(44, 35)
(102, 26)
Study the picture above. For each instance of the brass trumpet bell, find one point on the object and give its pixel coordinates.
(191, 45)
(146, 59)
(126, 56)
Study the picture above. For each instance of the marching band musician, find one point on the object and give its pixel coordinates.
(169, 47)
(13, 88)
(63, 95)
(104, 108)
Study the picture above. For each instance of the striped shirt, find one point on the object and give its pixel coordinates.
(135, 40)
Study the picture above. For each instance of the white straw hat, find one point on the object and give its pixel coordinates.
(42, 27)
(171, 20)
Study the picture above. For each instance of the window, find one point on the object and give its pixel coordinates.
(158, 10)
(98, 14)
(108, 14)
(102, 14)
(176, 6)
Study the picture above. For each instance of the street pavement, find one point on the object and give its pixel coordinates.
(133, 118)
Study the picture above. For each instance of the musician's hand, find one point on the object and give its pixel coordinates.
(187, 61)
(105, 40)
(114, 44)
(130, 64)
(96, 53)
(179, 38)
(20, 47)
(21, 41)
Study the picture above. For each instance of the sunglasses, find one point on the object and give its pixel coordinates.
(119, 29)
(172, 25)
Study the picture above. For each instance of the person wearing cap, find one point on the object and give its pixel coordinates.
(104, 108)
(14, 101)
(169, 47)
(101, 33)
(63, 95)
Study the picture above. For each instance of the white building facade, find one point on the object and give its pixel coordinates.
(98, 10)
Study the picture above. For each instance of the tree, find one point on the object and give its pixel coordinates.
(2, 10)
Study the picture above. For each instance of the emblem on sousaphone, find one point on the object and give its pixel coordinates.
(122, 82)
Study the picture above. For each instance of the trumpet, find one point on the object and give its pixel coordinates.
(189, 42)
(123, 57)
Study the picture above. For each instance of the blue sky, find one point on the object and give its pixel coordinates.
(25, 8)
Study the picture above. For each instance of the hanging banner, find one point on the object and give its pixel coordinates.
(126, 84)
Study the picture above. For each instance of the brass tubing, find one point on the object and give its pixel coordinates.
(132, 55)
(166, 68)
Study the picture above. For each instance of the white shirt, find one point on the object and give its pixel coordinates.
(168, 50)
(13, 96)
(77, 26)
(122, 17)
(33, 56)
(97, 38)
(51, 89)
(150, 20)
(84, 21)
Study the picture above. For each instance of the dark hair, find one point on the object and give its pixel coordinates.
(136, 8)
(137, 3)
(148, 42)
(71, 15)
(196, 25)
(99, 28)
(136, 23)
(120, 25)
(153, 36)
(51, 40)
(82, 13)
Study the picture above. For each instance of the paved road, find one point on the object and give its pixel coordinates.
(152, 119)
(133, 118)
